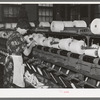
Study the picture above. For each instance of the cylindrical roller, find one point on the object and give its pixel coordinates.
(14, 25)
(77, 46)
(63, 52)
(41, 40)
(74, 55)
(57, 26)
(91, 52)
(98, 52)
(88, 59)
(47, 49)
(44, 24)
(47, 42)
(36, 37)
(95, 26)
(64, 44)
(54, 50)
(79, 23)
(8, 26)
(1, 25)
(68, 24)
(39, 47)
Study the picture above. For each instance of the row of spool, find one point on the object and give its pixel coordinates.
(58, 26)
(55, 26)
(69, 44)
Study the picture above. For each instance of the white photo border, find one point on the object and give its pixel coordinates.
(50, 93)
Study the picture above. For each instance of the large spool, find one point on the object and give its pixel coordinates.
(13, 25)
(79, 23)
(36, 37)
(95, 26)
(99, 52)
(8, 26)
(57, 26)
(41, 40)
(56, 39)
(65, 43)
(44, 24)
(77, 46)
(91, 52)
(47, 42)
(1, 25)
(68, 24)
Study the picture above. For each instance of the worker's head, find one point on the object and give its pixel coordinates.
(22, 26)
(16, 44)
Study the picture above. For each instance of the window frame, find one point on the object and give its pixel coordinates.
(9, 19)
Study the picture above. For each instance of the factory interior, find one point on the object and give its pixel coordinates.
(50, 46)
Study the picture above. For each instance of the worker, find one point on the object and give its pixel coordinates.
(14, 68)
(23, 27)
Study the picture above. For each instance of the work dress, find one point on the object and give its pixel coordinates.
(14, 72)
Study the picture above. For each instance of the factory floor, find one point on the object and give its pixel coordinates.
(46, 82)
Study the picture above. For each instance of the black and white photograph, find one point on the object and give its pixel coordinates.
(50, 46)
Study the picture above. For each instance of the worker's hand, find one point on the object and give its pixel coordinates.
(31, 44)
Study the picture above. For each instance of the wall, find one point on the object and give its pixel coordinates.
(0, 13)
(32, 10)
(67, 12)
(59, 12)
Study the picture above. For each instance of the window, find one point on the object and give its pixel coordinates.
(10, 13)
(96, 11)
(45, 12)
(75, 12)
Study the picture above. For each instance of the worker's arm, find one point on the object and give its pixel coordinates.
(28, 49)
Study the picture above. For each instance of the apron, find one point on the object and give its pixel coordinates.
(18, 71)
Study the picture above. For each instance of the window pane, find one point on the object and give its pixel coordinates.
(45, 12)
(10, 13)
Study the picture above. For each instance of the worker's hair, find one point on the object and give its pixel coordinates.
(15, 43)
(23, 24)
